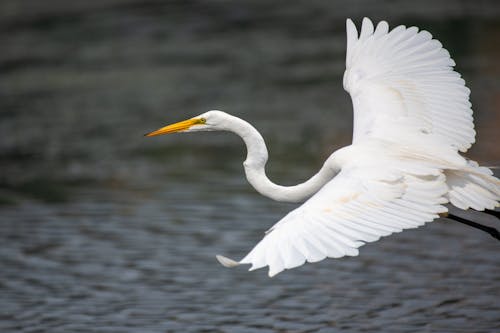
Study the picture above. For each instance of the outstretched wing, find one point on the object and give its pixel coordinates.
(402, 82)
(359, 205)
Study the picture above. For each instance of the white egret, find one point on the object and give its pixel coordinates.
(412, 118)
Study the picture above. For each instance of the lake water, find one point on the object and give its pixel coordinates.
(103, 230)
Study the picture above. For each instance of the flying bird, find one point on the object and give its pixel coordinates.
(412, 119)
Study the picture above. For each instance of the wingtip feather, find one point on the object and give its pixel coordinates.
(352, 32)
(226, 262)
(349, 24)
(366, 28)
(382, 28)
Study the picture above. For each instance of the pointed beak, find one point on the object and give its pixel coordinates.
(177, 127)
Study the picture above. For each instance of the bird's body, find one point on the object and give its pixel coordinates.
(412, 117)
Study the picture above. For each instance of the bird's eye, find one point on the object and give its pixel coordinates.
(203, 120)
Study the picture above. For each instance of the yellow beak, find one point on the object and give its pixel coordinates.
(177, 127)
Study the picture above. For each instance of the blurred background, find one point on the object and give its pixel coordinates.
(104, 230)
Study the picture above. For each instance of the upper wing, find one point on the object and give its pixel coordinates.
(359, 205)
(402, 82)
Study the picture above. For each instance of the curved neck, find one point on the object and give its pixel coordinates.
(256, 160)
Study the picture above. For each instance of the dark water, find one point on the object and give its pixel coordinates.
(103, 230)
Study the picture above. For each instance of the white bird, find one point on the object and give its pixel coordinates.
(412, 117)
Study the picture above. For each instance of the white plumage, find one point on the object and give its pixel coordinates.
(412, 117)
(404, 93)
(368, 199)
(402, 82)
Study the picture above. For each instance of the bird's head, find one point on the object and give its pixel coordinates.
(209, 121)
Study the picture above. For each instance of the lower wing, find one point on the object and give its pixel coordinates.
(359, 205)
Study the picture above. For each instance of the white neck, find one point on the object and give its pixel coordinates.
(255, 163)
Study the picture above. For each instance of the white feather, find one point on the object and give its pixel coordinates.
(412, 116)
(358, 206)
(407, 77)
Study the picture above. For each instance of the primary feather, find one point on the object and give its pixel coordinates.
(403, 86)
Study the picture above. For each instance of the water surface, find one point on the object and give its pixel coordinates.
(103, 230)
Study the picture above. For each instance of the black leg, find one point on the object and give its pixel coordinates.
(492, 231)
(494, 213)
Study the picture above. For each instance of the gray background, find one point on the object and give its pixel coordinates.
(102, 230)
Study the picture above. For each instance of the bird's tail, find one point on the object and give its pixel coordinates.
(473, 187)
